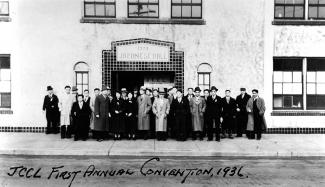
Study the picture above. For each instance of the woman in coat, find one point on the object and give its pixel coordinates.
(118, 115)
(256, 121)
(144, 107)
(161, 108)
(81, 113)
(131, 109)
(197, 106)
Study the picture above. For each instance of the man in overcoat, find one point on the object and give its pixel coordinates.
(180, 109)
(189, 97)
(160, 109)
(102, 114)
(51, 108)
(228, 114)
(242, 115)
(144, 107)
(81, 113)
(213, 114)
(197, 106)
(256, 121)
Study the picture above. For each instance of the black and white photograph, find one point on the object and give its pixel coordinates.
(162, 93)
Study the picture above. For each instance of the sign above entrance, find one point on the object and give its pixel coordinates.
(142, 52)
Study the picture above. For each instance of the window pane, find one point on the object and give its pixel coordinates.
(196, 11)
(279, 11)
(287, 64)
(311, 76)
(287, 76)
(288, 11)
(312, 12)
(186, 11)
(4, 74)
(206, 79)
(277, 88)
(4, 62)
(5, 100)
(110, 10)
(316, 65)
(79, 78)
(176, 11)
(292, 88)
(79, 89)
(100, 10)
(176, 1)
(311, 88)
(321, 2)
(277, 76)
(186, 1)
(311, 101)
(297, 102)
(294, 1)
(299, 12)
(200, 78)
(153, 11)
(287, 101)
(4, 8)
(313, 1)
(320, 76)
(279, 1)
(4, 86)
(321, 88)
(321, 12)
(297, 76)
(85, 78)
(277, 102)
(89, 10)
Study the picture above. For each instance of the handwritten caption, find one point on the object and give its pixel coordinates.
(60, 173)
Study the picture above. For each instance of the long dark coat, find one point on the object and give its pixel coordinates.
(81, 117)
(51, 106)
(180, 111)
(131, 107)
(214, 107)
(102, 105)
(144, 107)
(229, 113)
(118, 119)
(261, 107)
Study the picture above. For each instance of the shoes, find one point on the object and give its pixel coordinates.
(239, 135)
(100, 140)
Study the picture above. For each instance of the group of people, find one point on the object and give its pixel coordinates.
(147, 113)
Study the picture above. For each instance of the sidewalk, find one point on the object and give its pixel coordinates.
(271, 145)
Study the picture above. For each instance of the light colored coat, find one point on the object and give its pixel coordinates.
(261, 107)
(92, 107)
(65, 104)
(197, 106)
(144, 107)
(161, 108)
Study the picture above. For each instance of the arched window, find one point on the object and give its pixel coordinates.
(204, 70)
(81, 70)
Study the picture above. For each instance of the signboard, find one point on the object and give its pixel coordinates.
(142, 52)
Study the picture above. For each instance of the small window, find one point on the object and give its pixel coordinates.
(287, 84)
(187, 9)
(100, 8)
(5, 82)
(316, 9)
(82, 76)
(289, 9)
(316, 84)
(4, 8)
(143, 8)
(204, 70)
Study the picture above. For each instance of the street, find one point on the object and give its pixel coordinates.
(164, 171)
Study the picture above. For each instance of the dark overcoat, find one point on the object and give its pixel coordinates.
(118, 115)
(102, 106)
(81, 117)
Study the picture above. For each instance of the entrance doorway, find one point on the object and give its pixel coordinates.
(136, 79)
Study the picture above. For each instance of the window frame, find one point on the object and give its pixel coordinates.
(289, 5)
(181, 4)
(309, 60)
(8, 8)
(143, 3)
(99, 3)
(10, 93)
(204, 84)
(288, 95)
(82, 83)
(317, 6)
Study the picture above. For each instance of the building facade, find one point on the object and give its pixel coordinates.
(162, 43)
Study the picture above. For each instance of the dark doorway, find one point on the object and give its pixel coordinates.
(136, 79)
